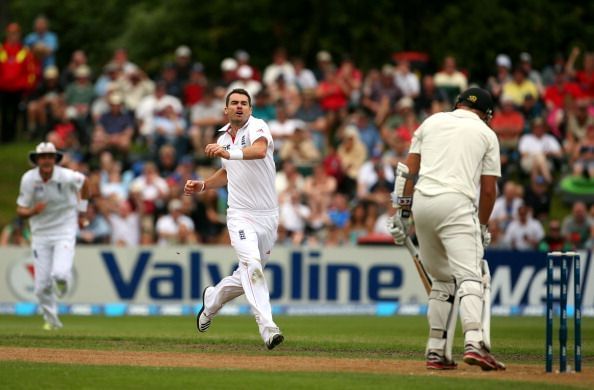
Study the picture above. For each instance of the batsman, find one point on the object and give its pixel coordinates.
(451, 155)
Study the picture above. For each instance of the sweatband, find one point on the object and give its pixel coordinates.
(235, 154)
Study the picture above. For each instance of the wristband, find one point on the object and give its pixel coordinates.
(82, 205)
(235, 154)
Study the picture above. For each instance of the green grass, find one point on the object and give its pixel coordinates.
(13, 163)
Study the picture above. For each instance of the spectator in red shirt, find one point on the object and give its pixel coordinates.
(18, 75)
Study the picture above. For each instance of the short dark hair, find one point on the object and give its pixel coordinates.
(240, 91)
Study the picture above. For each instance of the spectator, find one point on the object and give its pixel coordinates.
(507, 204)
(288, 177)
(283, 92)
(524, 232)
(380, 94)
(537, 195)
(183, 64)
(532, 74)
(150, 105)
(554, 240)
(312, 114)
(430, 99)
(210, 225)
(18, 76)
(43, 103)
(175, 228)
(352, 154)
(304, 77)
(582, 158)
(114, 130)
(228, 75)
(15, 233)
(280, 66)
(450, 80)
(324, 61)
(585, 76)
(282, 128)
(357, 224)
(508, 124)
(125, 225)
(80, 94)
(66, 133)
(263, 107)
(98, 230)
(111, 79)
(293, 217)
(300, 149)
(195, 86)
(120, 58)
(539, 151)
(170, 127)
(167, 160)
(206, 116)
(405, 80)
(502, 75)
(43, 42)
(173, 86)
(77, 59)
(496, 232)
(556, 94)
(245, 81)
(243, 58)
(352, 78)
(577, 120)
(339, 216)
(319, 187)
(152, 189)
(368, 132)
(519, 87)
(576, 226)
(136, 86)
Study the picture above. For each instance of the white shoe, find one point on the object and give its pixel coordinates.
(202, 320)
(275, 339)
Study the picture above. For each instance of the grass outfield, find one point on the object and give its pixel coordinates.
(383, 340)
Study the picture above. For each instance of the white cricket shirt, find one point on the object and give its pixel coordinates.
(60, 193)
(250, 183)
(456, 148)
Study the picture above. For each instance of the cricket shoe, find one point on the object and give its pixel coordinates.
(437, 362)
(52, 326)
(274, 339)
(481, 357)
(202, 320)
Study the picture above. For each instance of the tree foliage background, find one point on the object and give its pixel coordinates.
(369, 31)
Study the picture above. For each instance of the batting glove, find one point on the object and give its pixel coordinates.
(398, 228)
(486, 236)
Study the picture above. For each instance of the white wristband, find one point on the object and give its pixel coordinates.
(235, 154)
(82, 205)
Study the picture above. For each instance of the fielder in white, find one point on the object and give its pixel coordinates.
(245, 147)
(452, 153)
(52, 197)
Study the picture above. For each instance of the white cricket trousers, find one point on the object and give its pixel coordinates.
(253, 234)
(53, 259)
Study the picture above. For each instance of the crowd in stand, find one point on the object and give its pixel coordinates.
(339, 132)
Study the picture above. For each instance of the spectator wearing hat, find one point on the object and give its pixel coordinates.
(183, 64)
(175, 228)
(51, 197)
(136, 85)
(502, 75)
(18, 75)
(194, 87)
(519, 87)
(280, 66)
(450, 79)
(80, 93)
(115, 129)
(243, 58)
(323, 61)
(43, 103)
(245, 81)
(228, 73)
(43, 42)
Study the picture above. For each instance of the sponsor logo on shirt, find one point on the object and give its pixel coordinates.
(243, 140)
(242, 235)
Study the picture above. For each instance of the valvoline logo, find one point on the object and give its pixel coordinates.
(21, 279)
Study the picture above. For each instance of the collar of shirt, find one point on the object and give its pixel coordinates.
(465, 113)
(39, 178)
